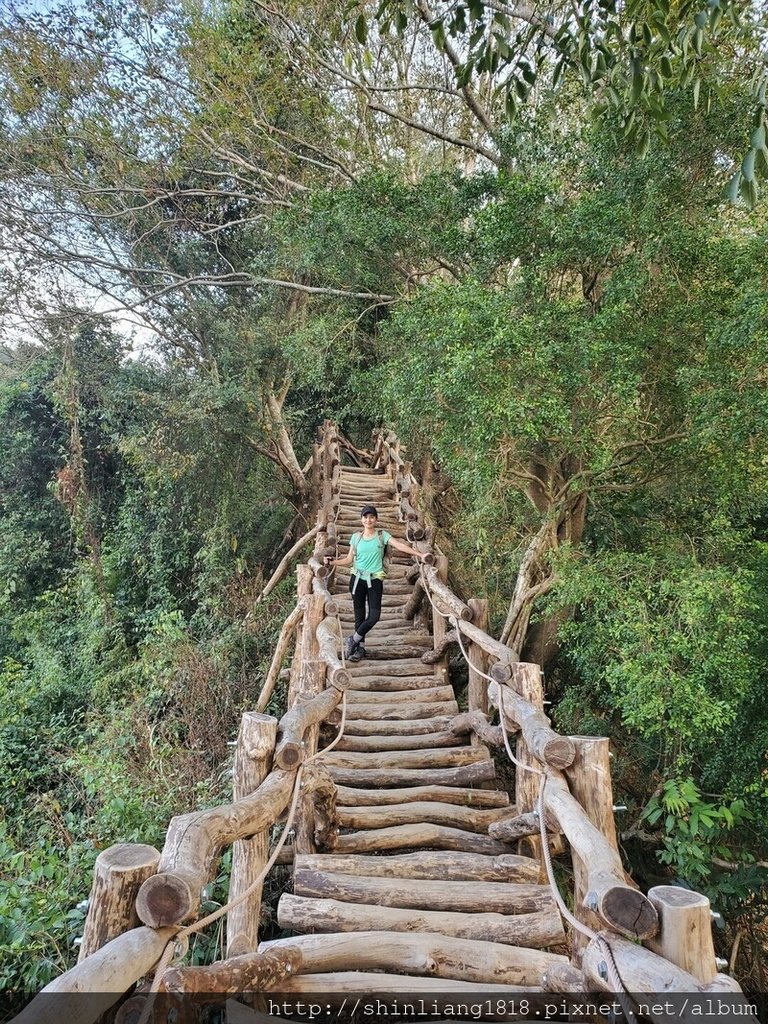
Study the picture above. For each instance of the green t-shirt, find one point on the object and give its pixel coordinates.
(369, 554)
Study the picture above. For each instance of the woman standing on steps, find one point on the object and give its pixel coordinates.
(366, 556)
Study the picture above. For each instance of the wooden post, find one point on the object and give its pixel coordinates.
(685, 934)
(589, 779)
(253, 762)
(316, 818)
(440, 625)
(478, 686)
(311, 683)
(118, 875)
(309, 648)
(527, 681)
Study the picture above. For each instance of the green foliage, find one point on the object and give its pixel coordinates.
(687, 821)
(669, 640)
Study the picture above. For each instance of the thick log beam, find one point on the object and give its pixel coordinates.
(449, 640)
(252, 972)
(193, 844)
(320, 589)
(444, 593)
(328, 641)
(118, 874)
(414, 602)
(643, 971)
(427, 954)
(503, 654)
(589, 780)
(476, 722)
(291, 748)
(549, 747)
(319, 568)
(512, 830)
(537, 930)
(88, 990)
(622, 908)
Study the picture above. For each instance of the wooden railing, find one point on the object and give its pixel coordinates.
(141, 897)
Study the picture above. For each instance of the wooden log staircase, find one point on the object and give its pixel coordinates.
(414, 872)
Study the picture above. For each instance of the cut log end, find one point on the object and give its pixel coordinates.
(340, 678)
(289, 756)
(629, 912)
(500, 672)
(163, 900)
(559, 752)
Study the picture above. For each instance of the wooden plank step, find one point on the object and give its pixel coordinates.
(422, 742)
(419, 696)
(398, 667)
(467, 774)
(397, 712)
(338, 986)
(348, 797)
(387, 684)
(325, 915)
(439, 757)
(405, 727)
(424, 893)
(471, 819)
(424, 953)
(421, 836)
(436, 864)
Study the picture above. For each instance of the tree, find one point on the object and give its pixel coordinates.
(626, 59)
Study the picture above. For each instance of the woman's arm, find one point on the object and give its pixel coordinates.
(405, 548)
(347, 560)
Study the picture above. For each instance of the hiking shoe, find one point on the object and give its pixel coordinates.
(350, 646)
(358, 654)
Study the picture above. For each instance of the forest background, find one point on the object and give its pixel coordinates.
(504, 231)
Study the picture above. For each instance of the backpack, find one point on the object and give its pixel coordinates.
(383, 548)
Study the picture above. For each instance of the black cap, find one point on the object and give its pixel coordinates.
(369, 510)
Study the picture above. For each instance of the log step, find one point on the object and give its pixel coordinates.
(425, 953)
(404, 727)
(397, 667)
(396, 712)
(467, 774)
(416, 837)
(439, 757)
(347, 797)
(326, 915)
(470, 819)
(458, 867)
(397, 742)
(385, 684)
(400, 696)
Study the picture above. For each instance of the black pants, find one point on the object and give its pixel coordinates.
(370, 593)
